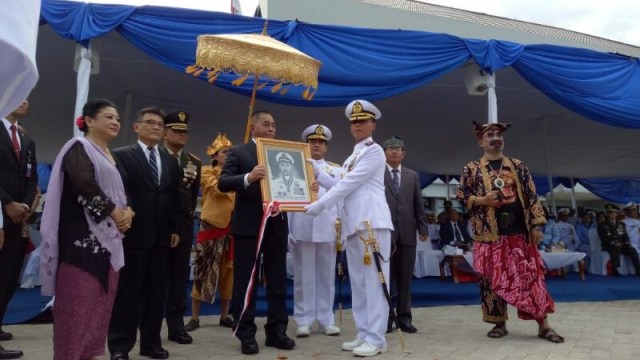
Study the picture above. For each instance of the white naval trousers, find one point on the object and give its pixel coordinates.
(369, 305)
(314, 282)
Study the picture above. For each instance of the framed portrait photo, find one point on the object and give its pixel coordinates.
(288, 175)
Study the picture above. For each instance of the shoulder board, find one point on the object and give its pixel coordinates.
(369, 143)
(333, 164)
(193, 156)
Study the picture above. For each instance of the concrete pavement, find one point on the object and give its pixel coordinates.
(592, 330)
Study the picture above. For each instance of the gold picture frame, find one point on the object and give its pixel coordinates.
(288, 175)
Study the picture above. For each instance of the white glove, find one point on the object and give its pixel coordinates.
(291, 242)
(316, 168)
(313, 209)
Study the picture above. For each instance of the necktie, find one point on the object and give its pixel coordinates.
(396, 181)
(457, 233)
(14, 140)
(177, 158)
(153, 163)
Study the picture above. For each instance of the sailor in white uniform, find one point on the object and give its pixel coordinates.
(362, 191)
(313, 241)
(632, 222)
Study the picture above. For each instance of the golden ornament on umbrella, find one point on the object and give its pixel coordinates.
(259, 55)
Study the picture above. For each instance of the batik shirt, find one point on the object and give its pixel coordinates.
(477, 180)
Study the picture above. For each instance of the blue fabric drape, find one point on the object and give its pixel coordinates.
(616, 190)
(375, 64)
(368, 63)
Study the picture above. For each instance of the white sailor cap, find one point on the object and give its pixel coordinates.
(564, 211)
(630, 205)
(316, 131)
(284, 157)
(362, 110)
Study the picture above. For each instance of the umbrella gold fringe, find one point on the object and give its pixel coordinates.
(276, 87)
(239, 81)
(213, 74)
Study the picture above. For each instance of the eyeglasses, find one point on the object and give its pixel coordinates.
(152, 123)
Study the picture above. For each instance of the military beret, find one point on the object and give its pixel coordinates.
(394, 141)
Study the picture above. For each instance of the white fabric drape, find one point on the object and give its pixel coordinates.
(492, 100)
(82, 83)
(18, 38)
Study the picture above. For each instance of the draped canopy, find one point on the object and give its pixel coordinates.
(382, 64)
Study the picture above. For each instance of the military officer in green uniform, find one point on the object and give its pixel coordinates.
(175, 139)
(615, 240)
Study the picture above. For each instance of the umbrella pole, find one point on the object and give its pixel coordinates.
(247, 131)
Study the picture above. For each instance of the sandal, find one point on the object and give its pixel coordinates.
(498, 331)
(551, 335)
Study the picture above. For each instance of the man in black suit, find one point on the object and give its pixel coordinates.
(242, 174)
(18, 182)
(176, 125)
(454, 233)
(404, 197)
(151, 179)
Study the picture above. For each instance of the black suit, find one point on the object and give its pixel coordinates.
(447, 234)
(407, 215)
(245, 225)
(179, 256)
(18, 182)
(143, 279)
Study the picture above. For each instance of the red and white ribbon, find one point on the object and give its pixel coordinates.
(271, 209)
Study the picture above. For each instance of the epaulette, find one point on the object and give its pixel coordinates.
(193, 156)
(369, 143)
(333, 164)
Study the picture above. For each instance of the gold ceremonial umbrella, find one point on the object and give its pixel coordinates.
(259, 55)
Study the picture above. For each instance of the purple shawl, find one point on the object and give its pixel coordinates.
(108, 179)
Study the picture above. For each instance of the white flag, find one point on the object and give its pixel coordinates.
(235, 7)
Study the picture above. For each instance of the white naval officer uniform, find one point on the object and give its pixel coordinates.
(314, 260)
(362, 192)
(633, 229)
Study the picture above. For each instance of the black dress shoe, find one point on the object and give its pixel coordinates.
(5, 336)
(280, 340)
(408, 328)
(181, 338)
(119, 355)
(157, 353)
(10, 354)
(249, 346)
(226, 322)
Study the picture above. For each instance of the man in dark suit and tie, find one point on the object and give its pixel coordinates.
(242, 174)
(404, 196)
(454, 233)
(151, 179)
(176, 125)
(18, 182)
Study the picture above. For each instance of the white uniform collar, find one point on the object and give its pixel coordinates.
(363, 143)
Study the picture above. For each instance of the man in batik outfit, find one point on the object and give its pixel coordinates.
(506, 216)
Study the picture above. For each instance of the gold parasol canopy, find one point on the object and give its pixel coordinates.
(259, 55)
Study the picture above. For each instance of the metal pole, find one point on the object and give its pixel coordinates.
(573, 197)
(546, 160)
